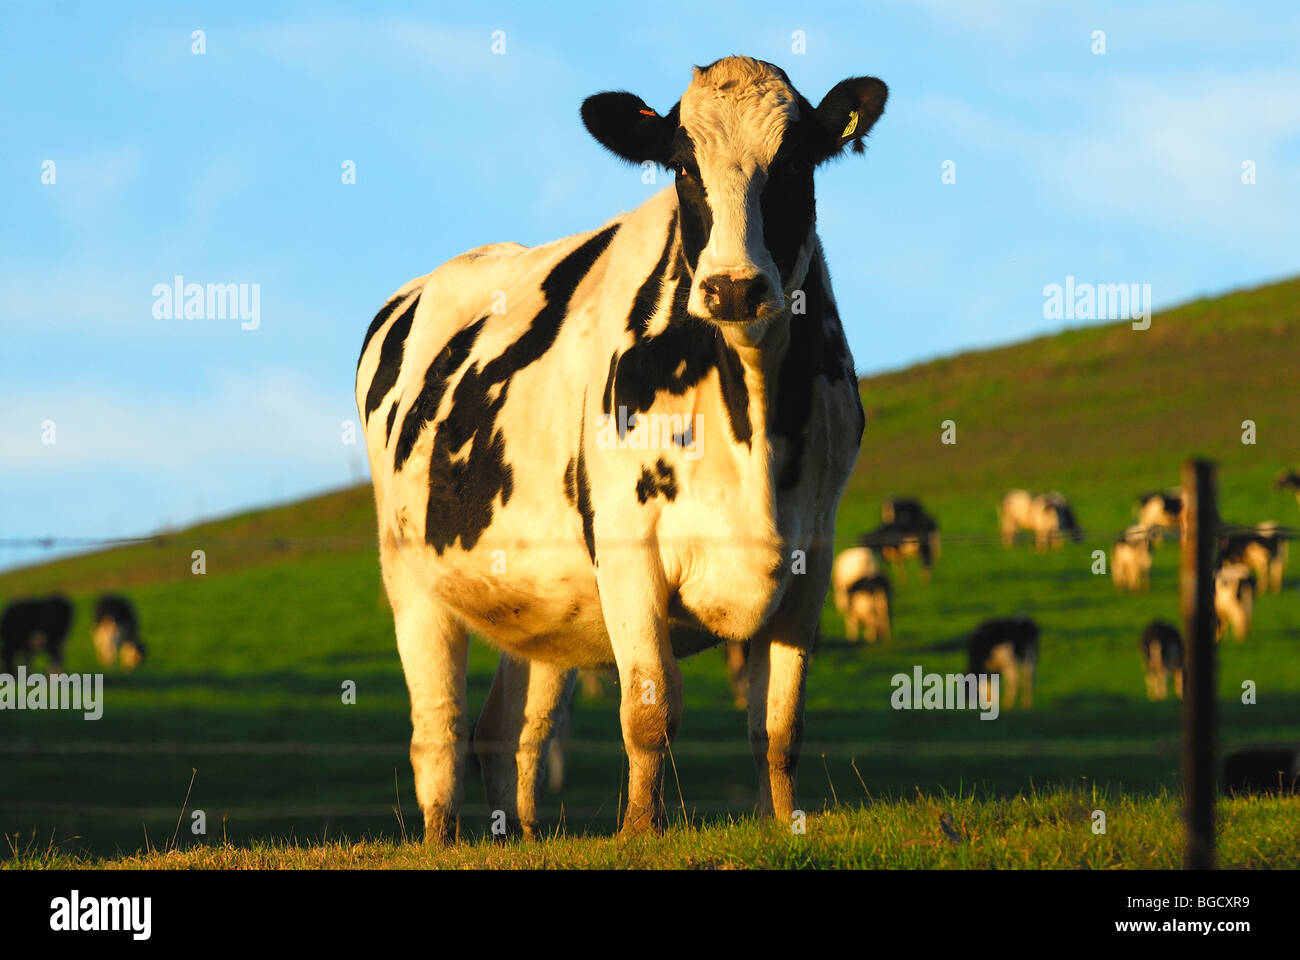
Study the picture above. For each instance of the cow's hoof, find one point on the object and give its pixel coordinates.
(641, 825)
(439, 831)
(516, 831)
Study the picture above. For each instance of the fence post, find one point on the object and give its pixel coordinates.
(1200, 686)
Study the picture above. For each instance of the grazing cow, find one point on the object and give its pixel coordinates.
(1234, 600)
(898, 541)
(909, 513)
(1263, 549)
(116, 632)
(1048, 515)
(1130, 560)
(1159, 511)
(870, 609)
(906, 530)
(34, 626)
(851, 565)
(623, 447)
(1009, 648)
(1162, 657)
(1290, 480)
(1253, 770)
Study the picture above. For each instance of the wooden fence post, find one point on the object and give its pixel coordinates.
(1200, 686)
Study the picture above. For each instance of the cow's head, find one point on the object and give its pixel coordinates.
(743, 144)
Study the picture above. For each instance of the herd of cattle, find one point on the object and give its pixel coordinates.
(1250, 561)
(38, 626)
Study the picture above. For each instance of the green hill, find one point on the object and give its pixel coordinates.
(248, 660)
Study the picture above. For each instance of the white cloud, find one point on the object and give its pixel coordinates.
(1163, 153)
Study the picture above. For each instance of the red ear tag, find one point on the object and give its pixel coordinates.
(648, 113)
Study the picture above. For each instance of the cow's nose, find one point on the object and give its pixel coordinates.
(733, 298)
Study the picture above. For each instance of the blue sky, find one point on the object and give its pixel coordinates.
(226, 167)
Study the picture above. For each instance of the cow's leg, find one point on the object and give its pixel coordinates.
(778, 674)
(522, 711)
(556, 748)
(737, 675)
(635, 602)
(432, 645)
(1011, 677)
(1002, 661)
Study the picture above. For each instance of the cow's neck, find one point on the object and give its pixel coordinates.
(761, 361)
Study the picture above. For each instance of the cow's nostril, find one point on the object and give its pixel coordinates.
(755, 295)
(730, 298)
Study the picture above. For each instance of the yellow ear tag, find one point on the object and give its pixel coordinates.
(852, 125)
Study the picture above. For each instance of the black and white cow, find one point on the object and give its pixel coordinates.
(906, 531)
(1161, 648)
(1290, 480)
(1235, 586)
(34, 626)
(1263, 549)
(1007, 646)
(623, 447)
(1048, 515)
(870, 609)
(1159, 511)
(116, 632)
(1130, 559)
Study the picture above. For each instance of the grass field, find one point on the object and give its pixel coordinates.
(1050, 829)
(249, 660)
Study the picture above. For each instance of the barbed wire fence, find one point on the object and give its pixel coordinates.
(1159, 747)
(838, 542)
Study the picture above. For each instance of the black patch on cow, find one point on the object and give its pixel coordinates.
(380, 319)
(607, 396)
(390, 359)
(425, 407)
(677, 358)
(462, 492)
(692, 198)
(817, 348)
(582, 498)
(662, 480)
(647, 295)
(571, 479)
(388, 429)
(687, 436)
(788, 201)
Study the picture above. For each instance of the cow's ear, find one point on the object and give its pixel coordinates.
(848, 113)
(623, 124)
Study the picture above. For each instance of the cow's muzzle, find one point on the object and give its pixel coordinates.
(729, 297)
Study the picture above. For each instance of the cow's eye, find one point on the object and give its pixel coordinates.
(682, 171)
(789, 166)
